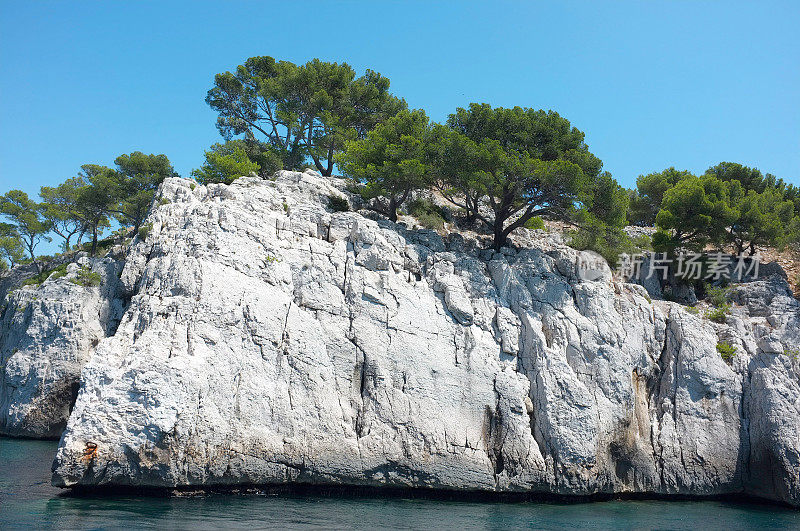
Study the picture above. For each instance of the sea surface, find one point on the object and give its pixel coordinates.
(27, 500)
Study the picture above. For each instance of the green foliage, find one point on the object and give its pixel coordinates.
(87, 278)
(390, 162)
(459, 165)
(268, 158)
(139, 176)
(726, 351)
(693, 213)
(607, 241)
(609, 202)
(55, 273)
(229, 161)
(793, 231)
(535, 223)
(601, 222)
(144, 231)
(694, 310)
(750, 178)
(793, 353)
(642, 242)
(719, 313)
(718, 296)
(97, 200)
(338, 204)
(650, 189)
(759, 219)
(11, 248)
(58, 272)
(428, 213)
(526, 162)
(306, 111)
(60, 208)
(730, 204)
(35, 280)
(163, 201)
(30, 225)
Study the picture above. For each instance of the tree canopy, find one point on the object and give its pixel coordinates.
(526, 163)
(306, 111)
(505, 167)
(139, 176)
(61, 209)
(11, 249)
(759, 219)
(98, 199)
(390, 161)
(693, 213)
(26, 214)
(646, 199)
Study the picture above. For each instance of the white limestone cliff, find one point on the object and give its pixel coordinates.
(47, 334)
(268, 340)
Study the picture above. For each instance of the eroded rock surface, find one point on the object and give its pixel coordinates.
(47, 334)
(268, 340)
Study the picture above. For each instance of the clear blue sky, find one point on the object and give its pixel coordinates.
(652, 84)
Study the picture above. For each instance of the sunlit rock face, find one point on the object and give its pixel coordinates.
(268, 340)
(47, 333)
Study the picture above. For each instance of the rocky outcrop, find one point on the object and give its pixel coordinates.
(269, 340)
(47, 334)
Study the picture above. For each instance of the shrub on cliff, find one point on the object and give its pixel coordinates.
(535, 223)
(338, 204)
(726, 351)
(87, 278)
(428, 213)
(227, 162)
(719, 314)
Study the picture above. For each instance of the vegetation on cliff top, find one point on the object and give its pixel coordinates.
(503, 168)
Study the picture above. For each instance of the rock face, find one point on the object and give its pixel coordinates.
(47, 334)
(268, 340)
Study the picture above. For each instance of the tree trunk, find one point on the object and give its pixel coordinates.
(392, 210)
(94, 242)
(33, 256)
(499, 236)
(318, 164)
(329, 170)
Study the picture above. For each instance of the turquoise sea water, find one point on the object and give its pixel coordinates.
(27, 500)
